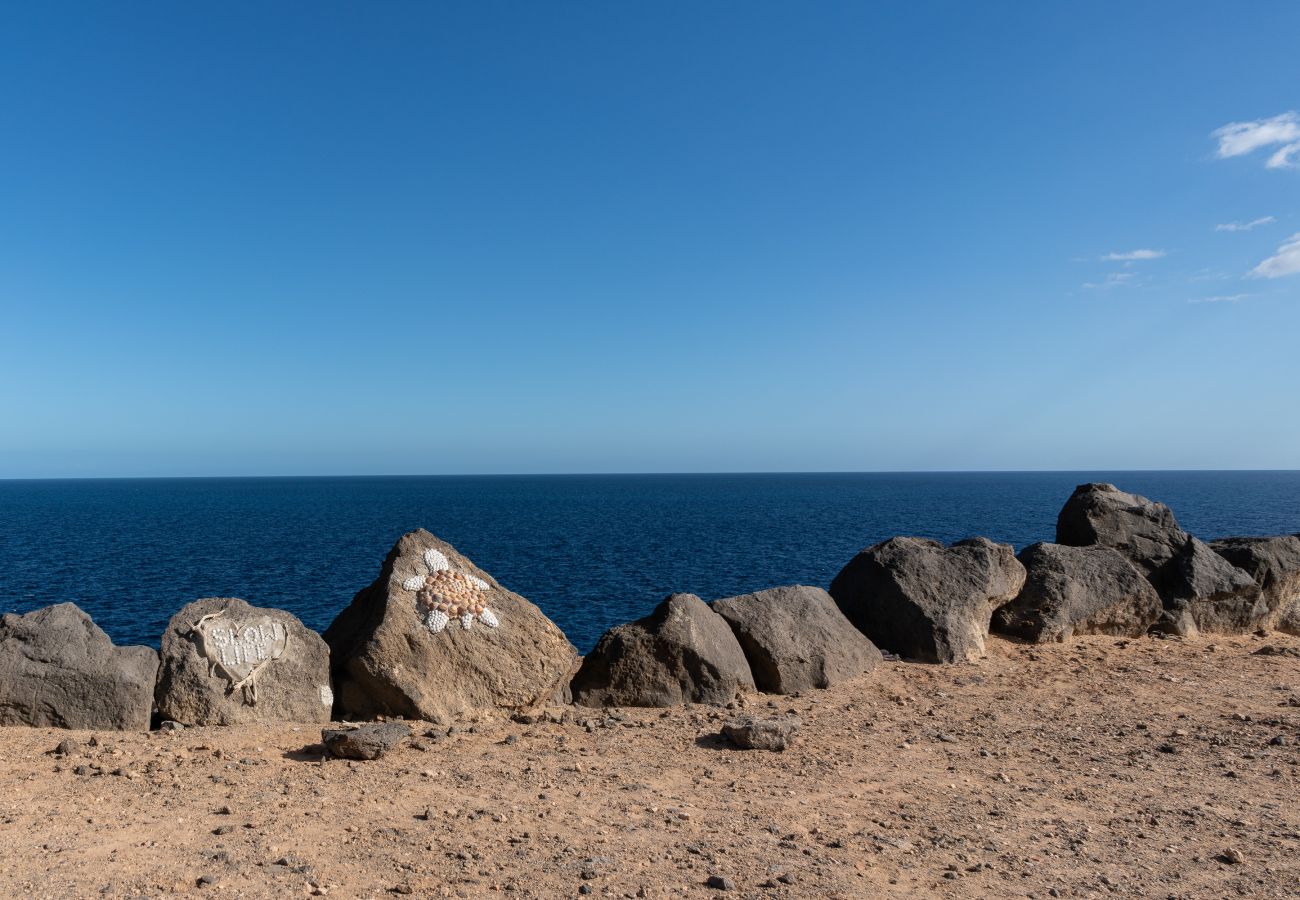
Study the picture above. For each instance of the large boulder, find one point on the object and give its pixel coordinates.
(59, 669)
(1078, 590)
(437, 638)
(1200, 589)
(226, 662)
(928, 602)
(1218, 596)
(795, 638)
(1274, 564)
(683, 652)
(1145, 531)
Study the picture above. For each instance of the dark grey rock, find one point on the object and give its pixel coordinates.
(720, 883)
(1191, 578)
(1078, 590)
(683, 652)
(1218, 596)
(225, 662)
(795, 638)
(921, 600)
(1144, 531)
(1274, 563)
(754, 733)
(59, 669)
(365, 742)
(388, 661)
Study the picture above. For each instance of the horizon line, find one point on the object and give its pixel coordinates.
(660, 474)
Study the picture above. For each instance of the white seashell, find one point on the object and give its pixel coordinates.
(467, 621)
(478, 582)
(489, 618)
(436, 620)
(414, 583)
(435, 560)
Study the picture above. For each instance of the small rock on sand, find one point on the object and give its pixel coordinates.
(753, 733)
(366, 742)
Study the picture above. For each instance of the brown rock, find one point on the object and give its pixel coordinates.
(682, 652)
(388, 660)
(226, 662)
(795, 638)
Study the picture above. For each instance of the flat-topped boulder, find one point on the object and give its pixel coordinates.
(58, 669)
(924, 601)
(437, 638)
(683, 652)
(1274, 564)
(1078, 590)
(795, 638)
(1144, 531)
(227, 662)
(1219, 597)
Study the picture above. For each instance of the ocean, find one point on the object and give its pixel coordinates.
(591, 550)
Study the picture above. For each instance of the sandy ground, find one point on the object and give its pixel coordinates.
(1136, 768)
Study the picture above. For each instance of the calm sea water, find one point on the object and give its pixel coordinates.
(591, 551)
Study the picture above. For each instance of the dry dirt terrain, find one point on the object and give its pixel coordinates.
(1134, 768)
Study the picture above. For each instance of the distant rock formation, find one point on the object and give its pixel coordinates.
(683, 652)
(1078, 590)
(435, 637)
(924, 601)
(795, 639)
(226, 662)
(59, 669)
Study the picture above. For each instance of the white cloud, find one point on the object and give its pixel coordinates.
(1132, 255)
(1245, 226)
(1240, 138)
(1113, 280)
(1282, 158)
(1286, 261)
(1226, 298)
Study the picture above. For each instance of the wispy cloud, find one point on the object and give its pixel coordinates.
(1246, 226)
(1113, 280)
(1286, 261)
(1133, 255)
(1225, 298)
(1240, 138)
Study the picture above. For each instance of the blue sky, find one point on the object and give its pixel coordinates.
(586, 237)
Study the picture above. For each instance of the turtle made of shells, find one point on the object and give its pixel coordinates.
(444, 594)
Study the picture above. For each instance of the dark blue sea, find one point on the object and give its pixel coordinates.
(591, 551)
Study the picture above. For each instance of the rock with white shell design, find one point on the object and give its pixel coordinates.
(437, 638)
(226, 662)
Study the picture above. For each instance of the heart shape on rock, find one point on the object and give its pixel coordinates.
(238, 649)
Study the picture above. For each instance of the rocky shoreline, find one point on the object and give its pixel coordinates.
(435, 638)
(1122, 718)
